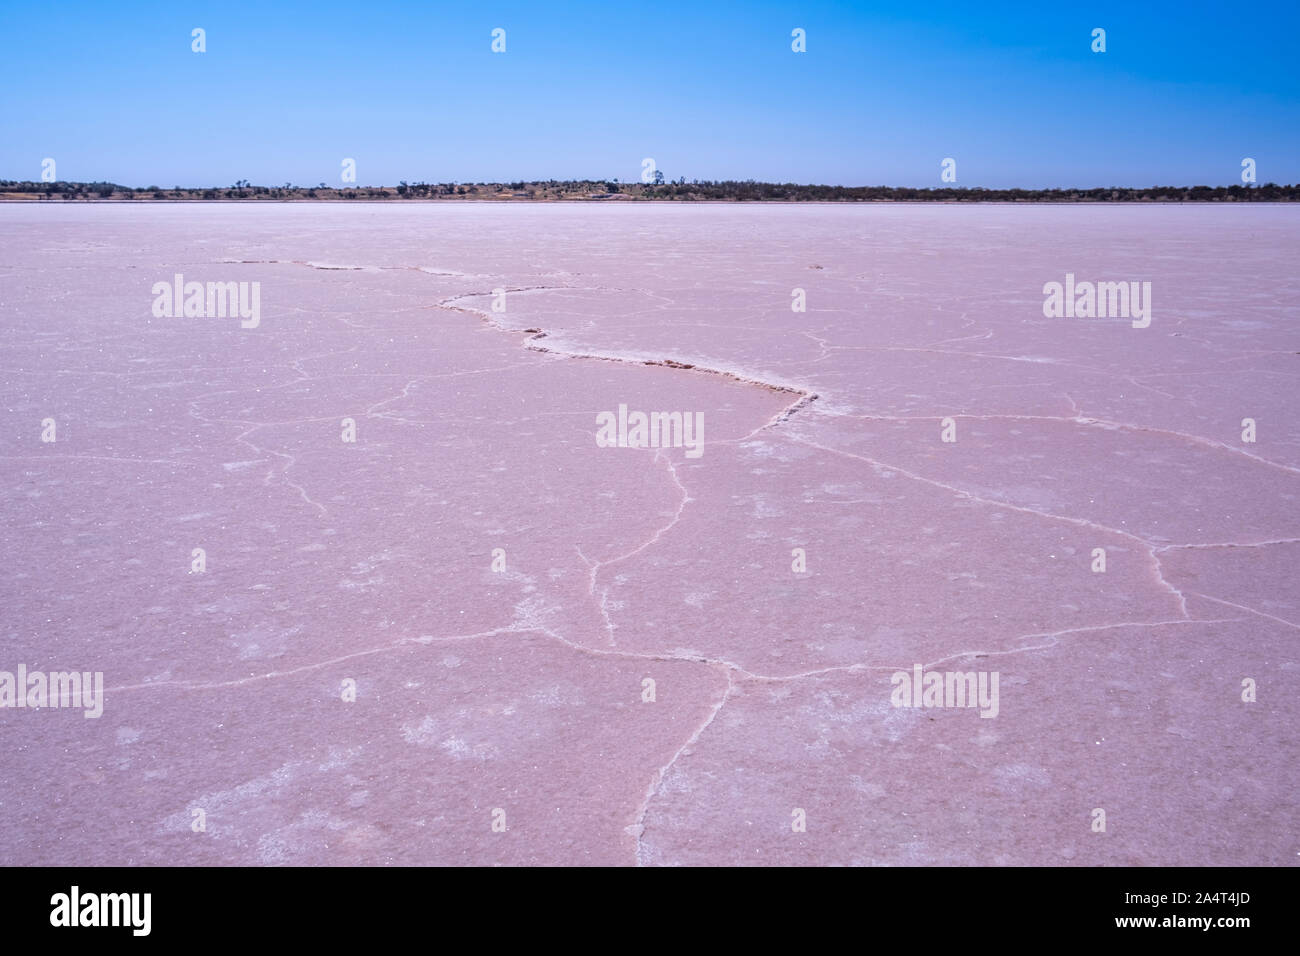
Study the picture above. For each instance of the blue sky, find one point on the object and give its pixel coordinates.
(883, 94)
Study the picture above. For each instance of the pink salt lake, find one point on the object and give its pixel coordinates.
(522, 690)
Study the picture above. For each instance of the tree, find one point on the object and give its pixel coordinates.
(659, 177)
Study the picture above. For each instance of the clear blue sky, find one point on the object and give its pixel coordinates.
(884, 92)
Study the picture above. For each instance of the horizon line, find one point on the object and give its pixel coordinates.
(674, 190)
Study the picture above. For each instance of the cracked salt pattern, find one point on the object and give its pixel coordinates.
(372, 561)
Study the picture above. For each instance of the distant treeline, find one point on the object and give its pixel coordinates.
(679, 191)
